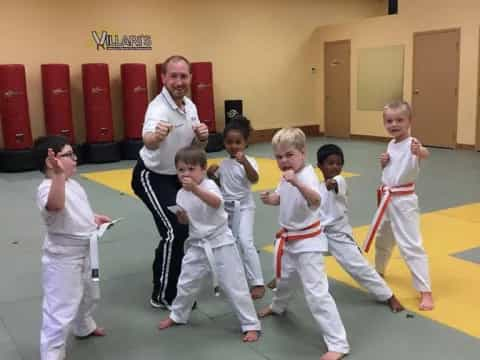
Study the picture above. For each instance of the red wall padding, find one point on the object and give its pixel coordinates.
(57, 102)
(135, 98)
(97, 102)
(158, 71)
(202, 93)
(17, 133)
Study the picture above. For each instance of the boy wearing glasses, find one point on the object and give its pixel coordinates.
(67, 287)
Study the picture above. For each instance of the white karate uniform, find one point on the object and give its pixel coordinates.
(66, 281)
(303, 260)
(210, 249)
(337, 229)
(240, 207)
(402, 221)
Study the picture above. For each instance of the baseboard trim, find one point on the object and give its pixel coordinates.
(265, 135)
(465, 146)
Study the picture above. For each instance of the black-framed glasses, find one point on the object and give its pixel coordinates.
(69, 154)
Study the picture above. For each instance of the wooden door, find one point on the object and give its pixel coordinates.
(337, 88)
(477, 141)
(436, 57)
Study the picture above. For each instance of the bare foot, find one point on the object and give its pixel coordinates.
(97, 332)
(266, 311)
(395, 305)
(250, 336)
(166, 323)
(332, 355)
(257, 292)
(272, 284)
(426, 301)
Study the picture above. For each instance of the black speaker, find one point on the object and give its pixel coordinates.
(392, 7)
(232, 108)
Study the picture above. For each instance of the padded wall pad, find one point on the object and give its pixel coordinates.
(14, 115)
(134, 98)
(17, 160)
(130, 149)
(102, 152)
(57, 102)
(158, 70)
(202, 93)
(97, 102)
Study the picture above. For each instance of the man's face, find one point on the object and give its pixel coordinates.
(177, 79)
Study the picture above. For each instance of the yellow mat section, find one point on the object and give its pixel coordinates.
(269, 176)
(454, 281)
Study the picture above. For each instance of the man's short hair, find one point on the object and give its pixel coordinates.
(175, 58)
(290, 136)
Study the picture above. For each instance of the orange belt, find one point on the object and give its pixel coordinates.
(285, 235)
(384, 196)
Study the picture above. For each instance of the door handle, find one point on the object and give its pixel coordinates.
(416, 91)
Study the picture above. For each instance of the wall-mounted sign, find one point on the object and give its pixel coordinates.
(108, 41)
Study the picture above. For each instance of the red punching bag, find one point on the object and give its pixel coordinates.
(17, 133)
(202, 93)
(57, 100)
(158, 71)
(97, 102)
(135, 98)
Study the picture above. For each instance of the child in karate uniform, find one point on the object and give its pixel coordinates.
(337, 229)
(397, 217)
(300, 245)
(235, 175)
(66, 274)
(210, 247)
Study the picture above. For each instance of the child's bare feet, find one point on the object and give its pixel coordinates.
(250, 336)
(426, 301)
(166, 323)
(395, 305)
(257, 292)
(97, 332)
(266, 311)
(272, 284)
(332, 355)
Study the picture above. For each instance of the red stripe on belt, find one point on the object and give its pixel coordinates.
(285, 235)
(384, 196)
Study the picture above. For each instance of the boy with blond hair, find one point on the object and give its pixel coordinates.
(397, 218)
(300, 244)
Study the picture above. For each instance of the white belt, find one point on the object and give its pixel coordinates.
(211, 261)
(233, 209)
(94, 262)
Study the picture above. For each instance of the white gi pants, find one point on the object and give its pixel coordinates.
(308, 267)
(349, 256)
(402, 224)
(243, 233)
(67, 302)
(231, 277)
